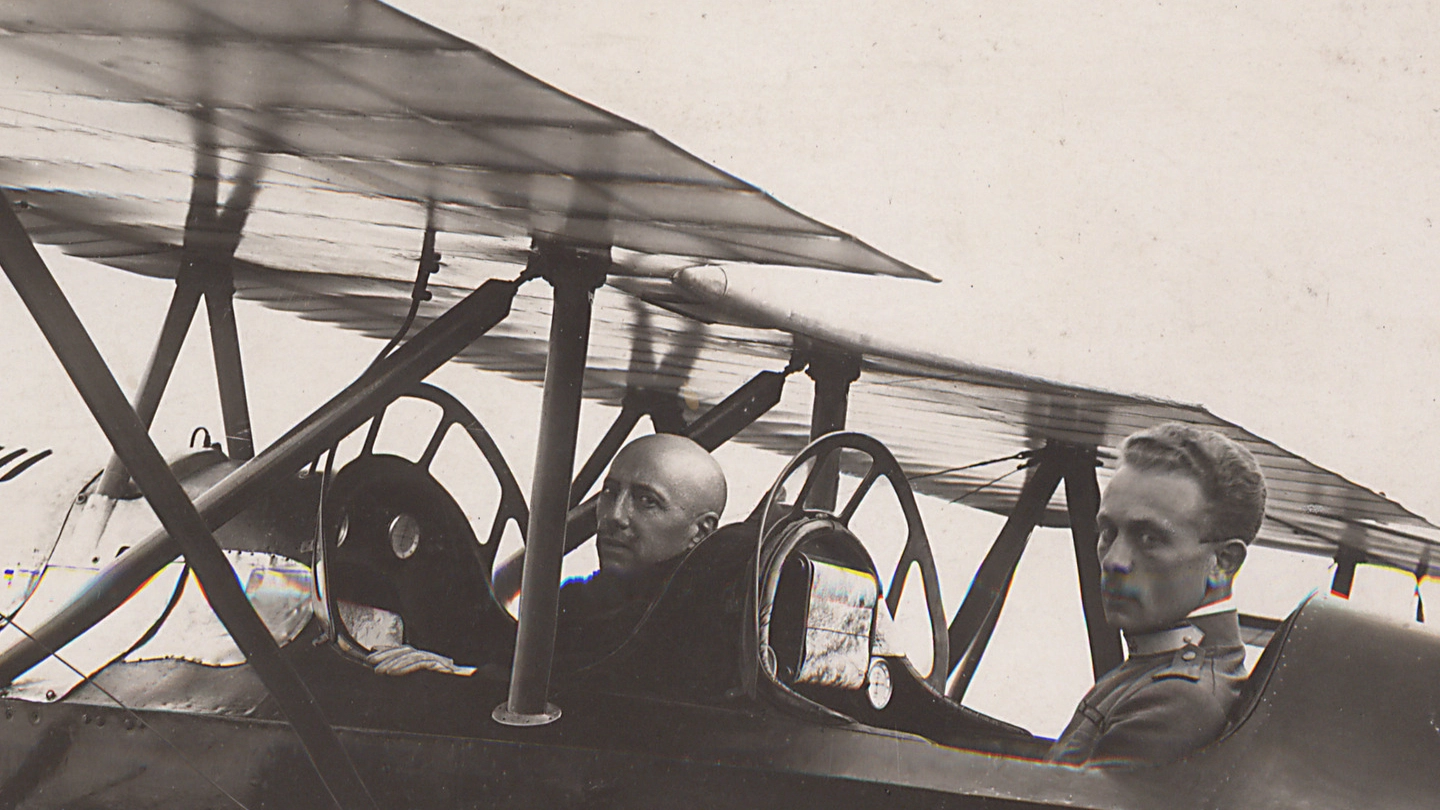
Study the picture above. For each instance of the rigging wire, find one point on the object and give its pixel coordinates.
(1023, 454)
(990, 483)
(87, 679)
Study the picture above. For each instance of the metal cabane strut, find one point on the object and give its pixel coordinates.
(574, 273)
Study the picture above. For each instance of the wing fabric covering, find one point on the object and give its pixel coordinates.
(934, 418)
(358, 116)
(335, 125)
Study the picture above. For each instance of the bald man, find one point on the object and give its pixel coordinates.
(662, 496)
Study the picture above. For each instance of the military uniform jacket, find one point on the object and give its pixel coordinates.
(1171, 696)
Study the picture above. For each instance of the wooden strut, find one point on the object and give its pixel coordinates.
(127, 434)
(1082, 498)
(212, 234)
(229, 370)
(157, 373)
(527, 704)
(975, 621)
(1346, 558)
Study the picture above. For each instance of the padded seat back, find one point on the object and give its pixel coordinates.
(822, 621)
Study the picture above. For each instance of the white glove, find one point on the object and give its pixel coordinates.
(404, 659)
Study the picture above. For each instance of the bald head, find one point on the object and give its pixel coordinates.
(663, 494)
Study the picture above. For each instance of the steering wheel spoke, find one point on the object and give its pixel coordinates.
(871, 476)
(427, 456)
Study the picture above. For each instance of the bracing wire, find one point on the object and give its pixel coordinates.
(429, 263)
(404, 327)
(1023, 454)
(988, 484)
(10, 620)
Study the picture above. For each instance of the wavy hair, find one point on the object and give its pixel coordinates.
(1226, 472)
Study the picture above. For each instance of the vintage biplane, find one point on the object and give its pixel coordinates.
(298, 154)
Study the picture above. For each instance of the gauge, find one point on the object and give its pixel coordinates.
(878, 686)
(404, 535)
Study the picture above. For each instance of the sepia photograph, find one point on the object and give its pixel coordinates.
(626, 403)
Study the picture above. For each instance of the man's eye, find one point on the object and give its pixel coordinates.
(1107, 536)
(647, 501)
(1151, 539)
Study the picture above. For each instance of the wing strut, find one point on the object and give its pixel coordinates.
(157, 373)
(229, 370)
(832, 370)
(1346, 558)
(331, 422)
(212, 234)
(92, 378)
(975, 621)
(219, 293)
(1082, 498)
(575, 273)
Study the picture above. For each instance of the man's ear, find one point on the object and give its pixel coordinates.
(1229, 556)
(704, 525)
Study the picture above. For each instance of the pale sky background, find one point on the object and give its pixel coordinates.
(1233, 206)
(1228, 206)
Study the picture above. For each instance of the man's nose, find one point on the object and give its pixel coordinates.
(1116, 558)
(613, 512)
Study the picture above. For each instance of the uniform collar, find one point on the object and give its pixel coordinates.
(1218, 624)
(1164, 641)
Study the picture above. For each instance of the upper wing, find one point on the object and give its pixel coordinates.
(311, 140)
(337, 123)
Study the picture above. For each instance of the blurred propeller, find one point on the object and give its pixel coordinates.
(652, 388)
(657, 383)
(213, 230)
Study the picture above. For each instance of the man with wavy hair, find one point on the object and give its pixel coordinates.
(1175, 523)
